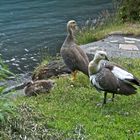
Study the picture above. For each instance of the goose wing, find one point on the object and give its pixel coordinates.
(104, 80)
(83, 54)
(120, 72)
(74, 60)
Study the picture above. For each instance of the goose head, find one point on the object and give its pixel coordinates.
(100, 55)
(93, 65)
(72, 27)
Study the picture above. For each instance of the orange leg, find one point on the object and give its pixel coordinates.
(74, 75)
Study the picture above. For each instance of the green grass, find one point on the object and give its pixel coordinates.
(90, 34)
(71, 109)
(40, 66)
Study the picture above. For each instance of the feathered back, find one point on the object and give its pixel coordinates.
(74, 57)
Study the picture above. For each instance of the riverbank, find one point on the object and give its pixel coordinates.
(116, 45)
(71, 111)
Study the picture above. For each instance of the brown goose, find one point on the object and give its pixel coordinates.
(37, 87)
(74, 57)
(108, 77)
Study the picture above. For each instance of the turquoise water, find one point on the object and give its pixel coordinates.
(28, 26)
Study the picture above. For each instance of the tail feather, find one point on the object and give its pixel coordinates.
(126, 88)
(134, 81)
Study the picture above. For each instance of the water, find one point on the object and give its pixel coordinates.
(28, 26)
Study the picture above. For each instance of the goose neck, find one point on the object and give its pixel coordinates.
(93, 67)
(70, 33)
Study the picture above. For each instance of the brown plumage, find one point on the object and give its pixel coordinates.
(37, 87)
(108, 77)
(74, 57)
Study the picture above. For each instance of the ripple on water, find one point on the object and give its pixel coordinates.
(27, 26)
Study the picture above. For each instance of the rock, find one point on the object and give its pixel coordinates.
(128, 47)
(13, 88)
(112, 44)
(53, 68)
(16, 82)
(38, 87)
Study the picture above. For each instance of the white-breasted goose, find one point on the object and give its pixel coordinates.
(74, 57)
(109, 77)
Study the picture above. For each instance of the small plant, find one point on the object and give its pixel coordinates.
(129, 10)
(95, 29)
(6, 105)
(6, 108)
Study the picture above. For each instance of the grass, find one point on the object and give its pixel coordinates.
(90, 34)
(70, 111)
(41, 66)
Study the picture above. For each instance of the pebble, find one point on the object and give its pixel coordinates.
(26, 50)
(19, 68)
(7, 61)
(25, 54)
(17, 61)
(26, 66)
(23, 58)
(34, 59)
(13, 59)
(15, 64)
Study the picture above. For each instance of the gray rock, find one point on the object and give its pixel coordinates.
(113, 46)
(129, 47)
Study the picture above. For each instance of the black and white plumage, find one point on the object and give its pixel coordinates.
(109, 77)
(74, 57)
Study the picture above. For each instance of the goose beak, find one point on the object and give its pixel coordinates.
(106, 58)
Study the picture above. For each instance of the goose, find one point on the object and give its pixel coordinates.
(34, 88)
(74, 57)
(109, 77)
